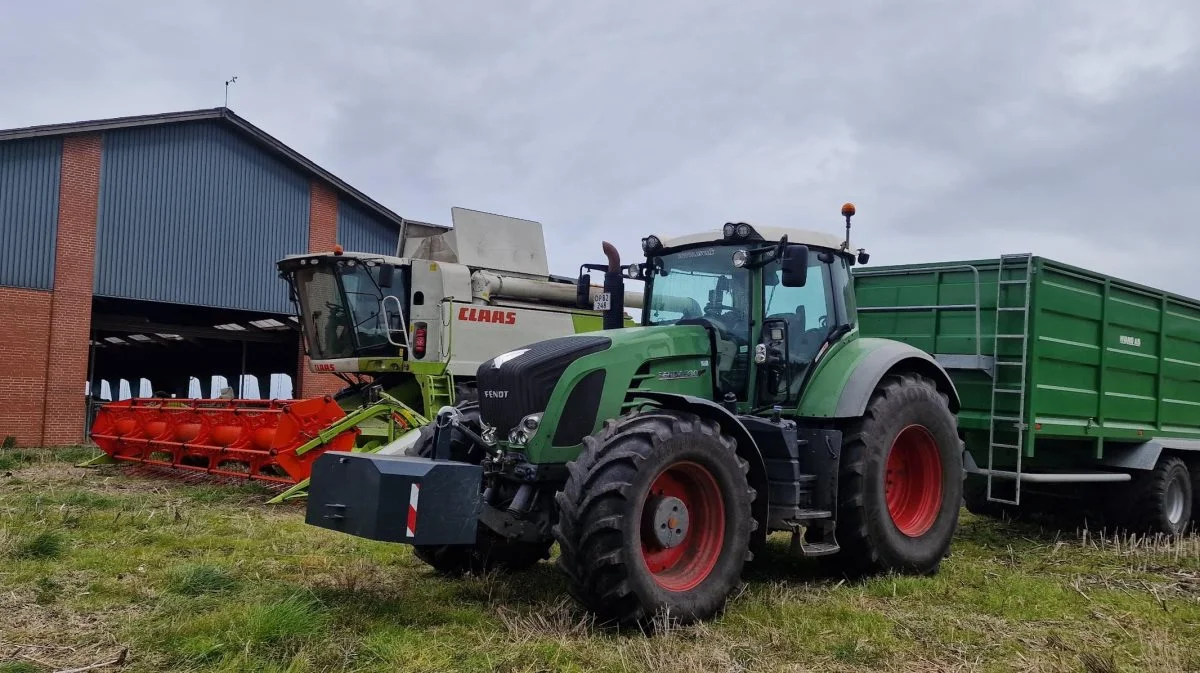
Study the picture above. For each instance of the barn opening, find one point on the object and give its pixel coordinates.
(152, 349)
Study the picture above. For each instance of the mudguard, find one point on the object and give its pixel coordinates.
(844, 381)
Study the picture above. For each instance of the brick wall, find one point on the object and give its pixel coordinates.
(23, 344)
(71, 308)
(322, 236)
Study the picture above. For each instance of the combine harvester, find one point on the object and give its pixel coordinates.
(406, 333)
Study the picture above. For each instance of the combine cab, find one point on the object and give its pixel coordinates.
(405, 333)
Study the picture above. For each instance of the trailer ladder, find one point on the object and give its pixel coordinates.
(1007, 385)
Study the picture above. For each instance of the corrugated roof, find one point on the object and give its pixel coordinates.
(263, 138)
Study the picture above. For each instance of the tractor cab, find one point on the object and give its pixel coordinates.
(773, 299)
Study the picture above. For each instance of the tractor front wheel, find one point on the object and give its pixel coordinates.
(491, 551)
(655, 519)
(901, 481)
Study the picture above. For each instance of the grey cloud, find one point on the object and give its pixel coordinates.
(959, 129)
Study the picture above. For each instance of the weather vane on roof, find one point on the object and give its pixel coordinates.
(229, 81)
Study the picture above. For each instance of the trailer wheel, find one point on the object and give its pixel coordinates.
(1162, 499)
(975, 499)
(901, 482)
(655, 519)
(491, 551)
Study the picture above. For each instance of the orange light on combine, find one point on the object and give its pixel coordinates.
(337, 249)
(847, 210)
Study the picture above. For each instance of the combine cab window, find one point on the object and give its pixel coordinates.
(343, 310)
(327, 325)
(703, 284)
(364, 298)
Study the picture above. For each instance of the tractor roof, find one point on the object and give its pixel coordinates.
(769, 234)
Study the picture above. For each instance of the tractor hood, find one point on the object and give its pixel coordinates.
(554, 392)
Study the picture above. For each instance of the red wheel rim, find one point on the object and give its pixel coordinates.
(685, 563)
(913, 483)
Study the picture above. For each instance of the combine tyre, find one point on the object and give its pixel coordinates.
(901, 482)
(655, 513)
(490, 551)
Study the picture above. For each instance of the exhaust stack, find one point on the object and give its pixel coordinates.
(614, 285)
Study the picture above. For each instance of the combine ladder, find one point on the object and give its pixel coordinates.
(437, 391)
(1006, 429)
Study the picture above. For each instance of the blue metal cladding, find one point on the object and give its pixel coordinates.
(360, 231)
(196, 214)
(29, 177)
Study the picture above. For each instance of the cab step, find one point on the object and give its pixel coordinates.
(807, 549)
(812, 515)
(817, 539)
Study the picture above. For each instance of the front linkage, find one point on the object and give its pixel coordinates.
(466, 510)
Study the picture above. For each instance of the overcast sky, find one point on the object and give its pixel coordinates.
(1067, 128)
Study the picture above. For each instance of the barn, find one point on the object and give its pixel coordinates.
(138, 254)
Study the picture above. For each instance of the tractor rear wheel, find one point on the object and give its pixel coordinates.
(901, 482)
(491, 551)
(655, 519)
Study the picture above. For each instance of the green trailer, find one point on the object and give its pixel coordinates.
(1075, 385)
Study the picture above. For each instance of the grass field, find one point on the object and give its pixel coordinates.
(207, 578)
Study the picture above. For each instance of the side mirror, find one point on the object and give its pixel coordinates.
(583, 288)
(794, 265)
(387, 275)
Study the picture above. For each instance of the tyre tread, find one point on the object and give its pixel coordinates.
(588, 527)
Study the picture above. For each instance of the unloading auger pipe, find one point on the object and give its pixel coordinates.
(491, 285)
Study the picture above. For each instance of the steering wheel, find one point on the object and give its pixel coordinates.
(726, 326)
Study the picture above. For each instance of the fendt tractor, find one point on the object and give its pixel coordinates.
(406, 333)
(660, 457)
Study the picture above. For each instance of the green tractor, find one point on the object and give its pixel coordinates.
(660, 457)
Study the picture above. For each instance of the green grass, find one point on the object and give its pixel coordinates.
(44, 545)
(208, 578)
(194, 580)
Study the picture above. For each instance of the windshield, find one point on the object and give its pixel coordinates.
(704, 283)
(349, 321)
